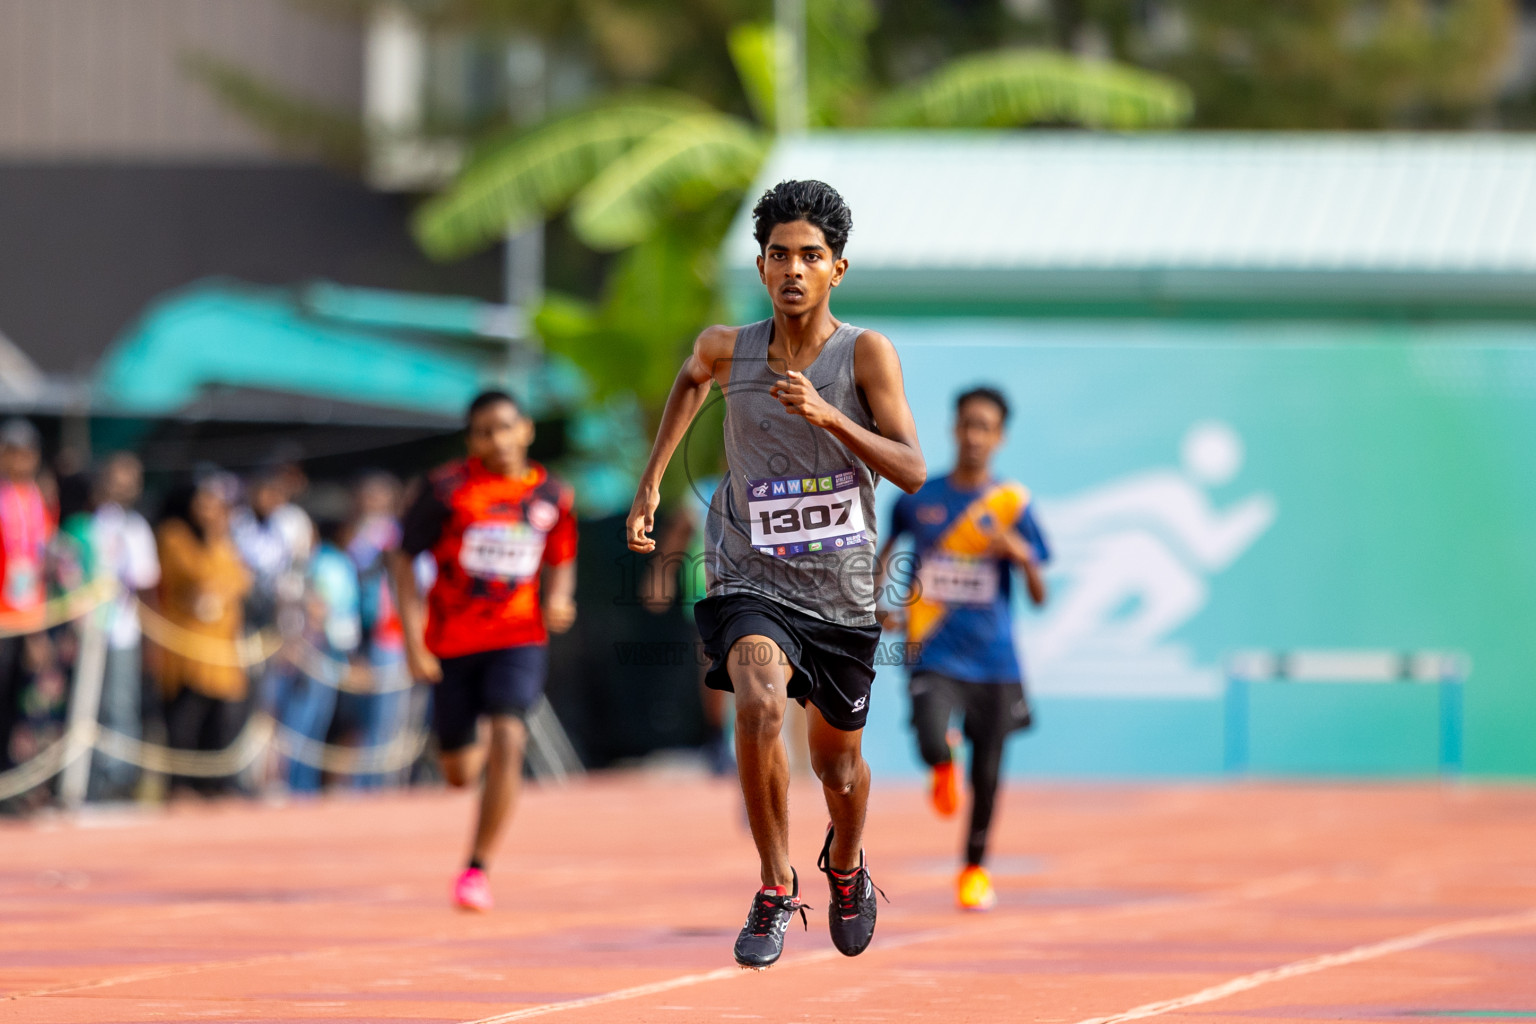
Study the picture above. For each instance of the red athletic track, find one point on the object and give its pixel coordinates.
(620, 897)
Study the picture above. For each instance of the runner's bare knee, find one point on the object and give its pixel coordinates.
(759, 711)
(508, 735)
(758, 679)
(838, 770)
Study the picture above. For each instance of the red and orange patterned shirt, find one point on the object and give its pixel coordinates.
(490, 536)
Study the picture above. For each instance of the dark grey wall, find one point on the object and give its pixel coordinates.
(84, 248)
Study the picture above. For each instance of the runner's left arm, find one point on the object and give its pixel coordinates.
(560, 596)
(891, 449)
(1024, 546)
(1039, 549)
(559, 583)
(1034, 580)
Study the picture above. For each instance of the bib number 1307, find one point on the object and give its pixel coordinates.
(805, 517)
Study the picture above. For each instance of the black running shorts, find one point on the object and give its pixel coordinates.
(988, 710)
(832, 666)
(507, 681)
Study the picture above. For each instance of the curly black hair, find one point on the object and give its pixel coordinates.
(814, 202)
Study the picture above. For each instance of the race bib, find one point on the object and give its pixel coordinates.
(949, 579)
(802, 515)
(501, 551)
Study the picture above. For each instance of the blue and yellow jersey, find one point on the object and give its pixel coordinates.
(961, 615)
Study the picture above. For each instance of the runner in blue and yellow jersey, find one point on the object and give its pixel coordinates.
(969, 531)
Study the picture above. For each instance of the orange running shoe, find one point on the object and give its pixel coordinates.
(944, 790)
(976, 892)
(944, 783)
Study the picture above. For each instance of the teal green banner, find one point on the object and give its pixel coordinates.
(1214, 488)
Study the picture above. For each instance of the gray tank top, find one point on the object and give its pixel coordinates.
(793, 520)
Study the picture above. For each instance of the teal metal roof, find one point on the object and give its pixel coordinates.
(450, 315)
(223, 334)
(414, 354)
(954, 217)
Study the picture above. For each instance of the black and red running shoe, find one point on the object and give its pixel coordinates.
(851, 917)
(761, 941)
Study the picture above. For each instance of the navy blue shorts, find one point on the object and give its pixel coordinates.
(508, 681)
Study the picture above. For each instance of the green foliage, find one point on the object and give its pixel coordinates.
(299, 126)
(677, 169)
(520, 180)
(916, 37)
(753, 48)
(837, 60)
(657, 297)
(837, 75)
(679, 44)
(1310, 64)
(1018, 87)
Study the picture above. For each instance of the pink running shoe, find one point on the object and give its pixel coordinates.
(473, 891)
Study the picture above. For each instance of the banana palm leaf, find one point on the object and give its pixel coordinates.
(753, 49)
(512, 184)
(837, 70)
(682, 165)
(1017, 87)
(838, 73)
(657, 296)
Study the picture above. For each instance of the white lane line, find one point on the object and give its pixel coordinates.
(1250, 891)
(1311, 965)
(638, 991)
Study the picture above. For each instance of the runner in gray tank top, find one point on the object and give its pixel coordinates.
(794, 520)
(815, 415)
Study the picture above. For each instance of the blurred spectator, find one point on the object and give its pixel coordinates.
(114, 542)
(375, 529)
(72, 482)
(306, 703)
(26, 530)
(273, 537)
(203, 582)
(292, 522)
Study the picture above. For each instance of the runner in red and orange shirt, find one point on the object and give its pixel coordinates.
(501, 531)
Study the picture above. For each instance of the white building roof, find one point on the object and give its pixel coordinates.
(1157, 216)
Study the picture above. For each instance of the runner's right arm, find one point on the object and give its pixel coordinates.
(711, 355)
(419, 531)
(412, 610)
